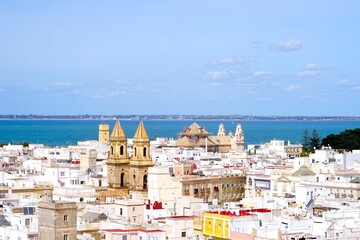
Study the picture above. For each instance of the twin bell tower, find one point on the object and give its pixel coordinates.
(126, 172)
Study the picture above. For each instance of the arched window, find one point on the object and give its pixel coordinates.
(112, 150)
(122, 150)
(122, 179)
(135, 152)
(144, 152)
(145, 182)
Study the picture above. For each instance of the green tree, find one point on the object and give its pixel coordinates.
(315, 140)
(305, 143)
(306, 140)
(348, 140)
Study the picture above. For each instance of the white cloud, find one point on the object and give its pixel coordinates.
(118, 81)
(215, 84)
(355, 88)
(291, 88)
(65, 84)
(349, 85)
(310, 70)
(311, 67)
(229, 61)
(313, 97)
(249, 86)
(117, 93)
(307, 73)
(343, 82)
(289, 45)
(74, 91)
(262, 74)
(216, 74)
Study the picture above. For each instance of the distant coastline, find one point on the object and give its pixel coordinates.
(69, 131)
(179, 117)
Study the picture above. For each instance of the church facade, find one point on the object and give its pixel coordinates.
(126, 172)
(195, 136)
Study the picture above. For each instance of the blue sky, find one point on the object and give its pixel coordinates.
(180, 57)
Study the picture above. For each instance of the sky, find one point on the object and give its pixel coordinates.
(228, 57)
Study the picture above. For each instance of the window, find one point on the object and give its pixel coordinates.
(122, 150)
(66, 236)
(183, 234)
(62, 174)
(27, 222)
(65, 219)
(124, 237)
(121, 211)
(144, 152)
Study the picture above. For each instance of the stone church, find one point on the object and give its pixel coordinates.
(195, 136)
(126, 172)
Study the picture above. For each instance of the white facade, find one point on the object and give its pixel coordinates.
(162, 187)
(130, 210)
(52, 153)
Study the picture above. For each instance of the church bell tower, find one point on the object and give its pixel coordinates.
(118, 161)
(140, 160)
(221, 131)
(239, 135)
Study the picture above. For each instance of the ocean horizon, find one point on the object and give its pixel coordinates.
(65, 132)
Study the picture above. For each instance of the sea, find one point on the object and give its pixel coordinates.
(69, 132)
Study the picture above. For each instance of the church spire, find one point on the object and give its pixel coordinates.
(118, 132)
(141, 132)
